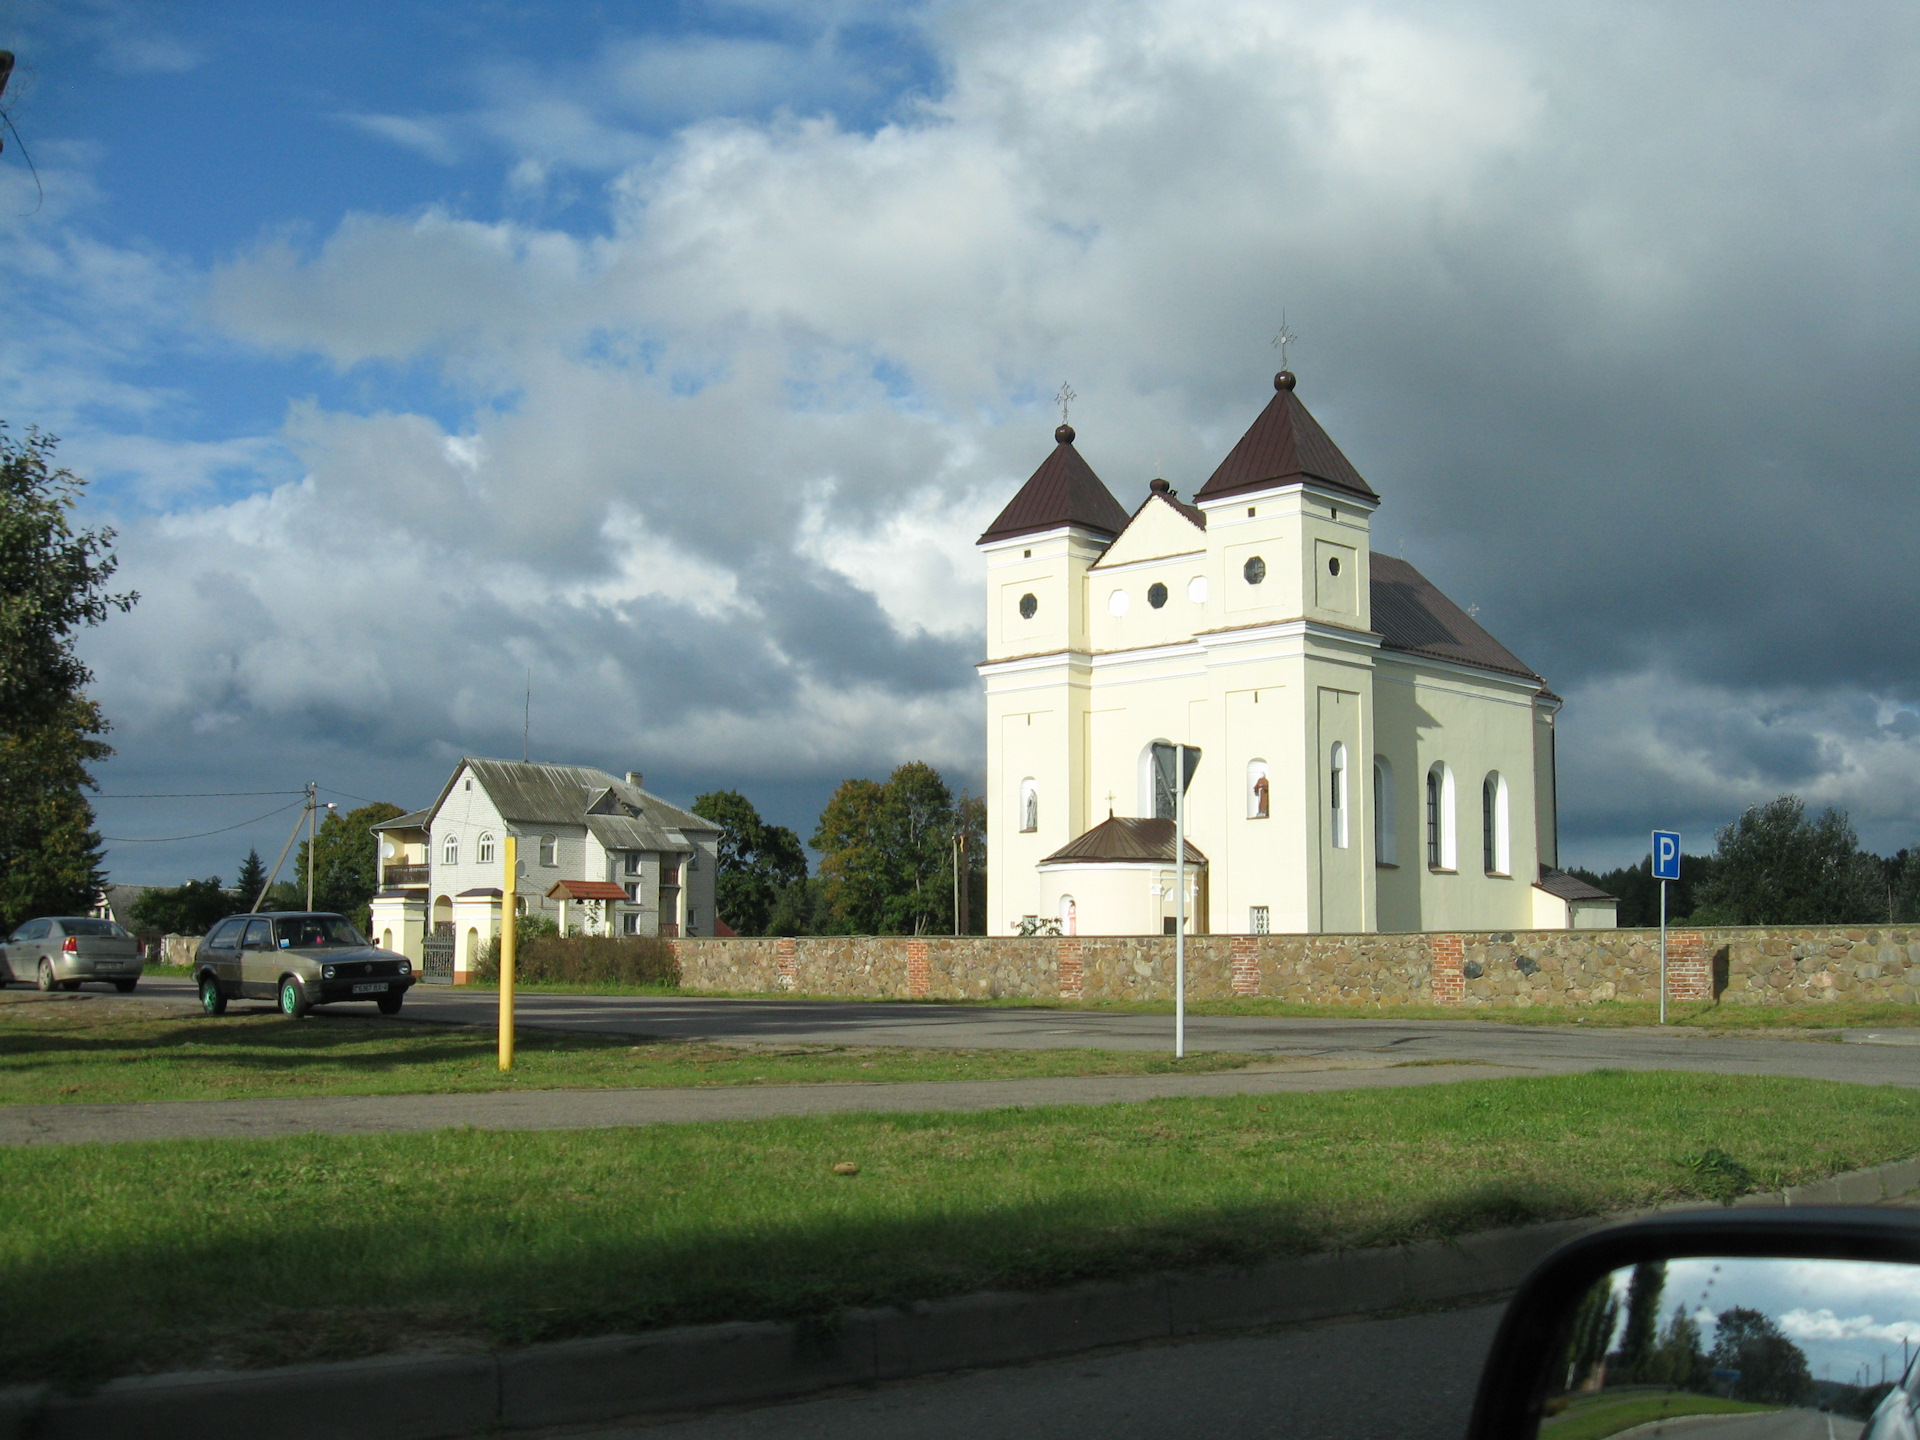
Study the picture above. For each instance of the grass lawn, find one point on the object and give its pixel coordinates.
(88, 1051)
(154, 1256)
(1603, 1415)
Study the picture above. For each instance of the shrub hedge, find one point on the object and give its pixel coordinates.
(586, 959)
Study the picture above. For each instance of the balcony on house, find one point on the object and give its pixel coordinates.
(401, 877)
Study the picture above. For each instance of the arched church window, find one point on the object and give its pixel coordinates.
(1258, 798)
(1157, 786)
(1440, 821)
(1028, 605)
(1255, 570)
(1156, 595)
(1495, 842)
(1029, 805)
(1383, 847)
(1337, 794)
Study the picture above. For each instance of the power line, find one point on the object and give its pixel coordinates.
(363, 799)
(163, 839)
(198, 794)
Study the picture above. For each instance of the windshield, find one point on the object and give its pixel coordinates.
(314, 932)
(94, 927)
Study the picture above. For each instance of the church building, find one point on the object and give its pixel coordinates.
(1371, 758)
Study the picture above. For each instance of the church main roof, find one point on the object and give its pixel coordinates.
(1063, 491)
(1410, 613)
(1284, 444)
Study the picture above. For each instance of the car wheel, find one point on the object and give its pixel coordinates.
(211, 1000)
(125, 987)
(389, 1004)
(47, 982)
(293, 997)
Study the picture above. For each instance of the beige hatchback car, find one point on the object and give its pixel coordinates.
(297, 959)
(63, 952)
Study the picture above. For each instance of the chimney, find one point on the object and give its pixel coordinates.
(634, 777)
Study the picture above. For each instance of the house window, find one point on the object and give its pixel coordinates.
(1440, 826)
(1337, 794)
(1258, 799)
(1494, 843)
(669, 873)
(450, 850)
(547, 847)
(1257, 920)
(630, 924)
(484, 854)
(633, 862)
(693, 861)
(693, 921)
(1167, 925)
(633, 891)
(1384, 852)
(1029, 805)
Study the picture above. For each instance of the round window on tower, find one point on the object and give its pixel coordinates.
(1333, 565)
(1255, 570)
(1156, 595)
(1027, 606)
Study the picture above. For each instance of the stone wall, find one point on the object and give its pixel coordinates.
(1537, 967)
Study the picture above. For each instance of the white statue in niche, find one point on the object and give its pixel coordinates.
(1029, 805)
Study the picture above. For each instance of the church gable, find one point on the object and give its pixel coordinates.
(1161, 527)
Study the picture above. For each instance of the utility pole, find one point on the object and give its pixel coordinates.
(313, 793)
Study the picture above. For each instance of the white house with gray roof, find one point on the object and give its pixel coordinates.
(597, 853)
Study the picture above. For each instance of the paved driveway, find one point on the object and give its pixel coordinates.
(1891, 1057)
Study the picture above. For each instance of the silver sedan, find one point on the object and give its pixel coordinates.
(62, 952)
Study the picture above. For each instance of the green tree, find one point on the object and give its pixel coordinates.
(189, 909)
(251, 880)
(346, 867)
(887, 853)
(758, 861)
(1639, 892)
(1773, 1370)
(1777, 866)
(1679, 1359)
(1590, 1333)
(1641, 1333)
(53, 583)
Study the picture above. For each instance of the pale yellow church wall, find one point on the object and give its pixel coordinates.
(1119, 899)
(1050, 568)
(1294, 531)
(1259, 862)
(1427, 713)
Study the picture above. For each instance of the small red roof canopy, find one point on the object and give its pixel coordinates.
(586, 890)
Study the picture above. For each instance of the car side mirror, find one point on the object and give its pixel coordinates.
(1727, 1314)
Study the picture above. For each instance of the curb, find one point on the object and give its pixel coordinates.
(698, 1367)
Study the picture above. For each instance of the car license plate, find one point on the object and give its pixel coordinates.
(370, 989)
(106, 964)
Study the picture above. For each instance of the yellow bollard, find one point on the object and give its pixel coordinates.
(507, 938)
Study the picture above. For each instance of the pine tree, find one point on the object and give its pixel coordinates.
(251, 880)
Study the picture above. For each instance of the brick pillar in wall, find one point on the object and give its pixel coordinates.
(1246, 965)
(1072, 969)
(789, 974)
(1689, 971)
(919, 976)
(1449, 967)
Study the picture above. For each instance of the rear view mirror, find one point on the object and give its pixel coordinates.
(1771, 1324)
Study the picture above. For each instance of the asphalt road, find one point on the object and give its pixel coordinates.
(1865, 1057)
(1410, 1378)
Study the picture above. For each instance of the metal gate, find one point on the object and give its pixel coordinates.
(436, 956)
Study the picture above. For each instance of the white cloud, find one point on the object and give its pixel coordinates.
(1803, 1324)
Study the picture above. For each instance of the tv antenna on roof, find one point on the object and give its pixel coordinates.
(1283, 338)
(1064, 398)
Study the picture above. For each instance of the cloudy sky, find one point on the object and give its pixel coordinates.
(676, 354)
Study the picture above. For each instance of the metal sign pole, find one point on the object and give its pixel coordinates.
(509, 939)
(1180, 914)
(1663, 952)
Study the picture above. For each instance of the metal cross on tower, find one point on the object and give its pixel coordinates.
(1065, 398)
(1284, 338)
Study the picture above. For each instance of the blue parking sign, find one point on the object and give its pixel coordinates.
(1666, 854)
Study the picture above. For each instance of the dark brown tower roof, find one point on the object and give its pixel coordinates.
(1063, 491)
(1285, 444)
(1124, 838)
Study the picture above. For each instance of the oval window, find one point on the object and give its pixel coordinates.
(1117, 603)
(1027, 606)
(1333, 565)
(1255, 570)
(1156, 594)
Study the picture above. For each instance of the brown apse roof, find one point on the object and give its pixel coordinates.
(1125, 838)
(1063, 491)
(1285, 444)
(1411, 614)
(1569, 887)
